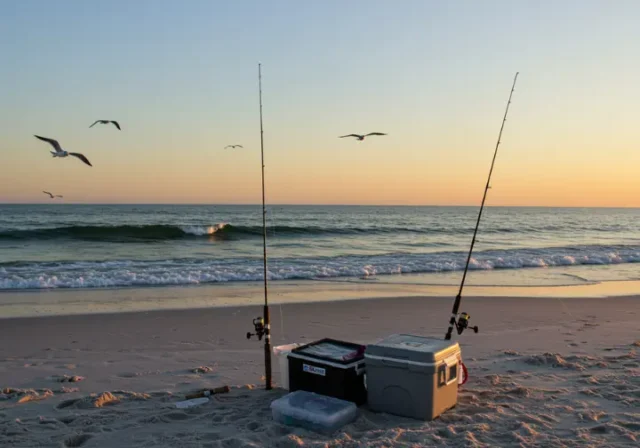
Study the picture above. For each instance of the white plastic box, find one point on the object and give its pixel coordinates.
(282, 353)
(313, 411)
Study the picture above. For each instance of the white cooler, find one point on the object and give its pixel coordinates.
(412, 376)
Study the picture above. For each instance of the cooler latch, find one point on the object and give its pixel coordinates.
(448, 371)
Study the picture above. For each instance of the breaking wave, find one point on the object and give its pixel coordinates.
(123, 273)
(121, 233)
(158, 232)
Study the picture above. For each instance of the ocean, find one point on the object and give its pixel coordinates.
(118, 246)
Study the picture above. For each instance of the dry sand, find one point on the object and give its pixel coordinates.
(543, 372)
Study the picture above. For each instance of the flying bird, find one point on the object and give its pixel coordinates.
(361, 137)
(51, 195)
(115, 123)
(59, 152)
(233, 146)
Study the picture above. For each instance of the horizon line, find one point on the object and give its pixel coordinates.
(313, 205)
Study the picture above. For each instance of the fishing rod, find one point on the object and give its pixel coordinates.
(461, 322)
(262, 325)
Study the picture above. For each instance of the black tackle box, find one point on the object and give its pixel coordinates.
(329, 367)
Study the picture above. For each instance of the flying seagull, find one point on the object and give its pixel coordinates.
(361, 137)
(52, 196)
(115, 123)
(233, 146)
(59, 152)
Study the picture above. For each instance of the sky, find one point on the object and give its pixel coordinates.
(181, 78)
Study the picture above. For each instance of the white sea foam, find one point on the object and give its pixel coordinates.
(120, 273)
(200, 230)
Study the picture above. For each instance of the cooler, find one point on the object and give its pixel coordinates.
(329, 367)
(412, 376)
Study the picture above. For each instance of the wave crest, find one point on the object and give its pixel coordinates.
(200, 231)
(120, 273)
(156, 232)
(122, 233)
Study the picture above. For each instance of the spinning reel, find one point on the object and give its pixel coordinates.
(260, 330)
(462, 323)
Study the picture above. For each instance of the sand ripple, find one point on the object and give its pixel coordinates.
(528, 400)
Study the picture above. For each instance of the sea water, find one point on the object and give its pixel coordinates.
(114, 246)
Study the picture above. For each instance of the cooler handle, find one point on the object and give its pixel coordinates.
(396, 363)
(451, 365)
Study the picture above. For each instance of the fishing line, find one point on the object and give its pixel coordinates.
(461, 321)
(262, 325)
(275, 262)
(565, 307)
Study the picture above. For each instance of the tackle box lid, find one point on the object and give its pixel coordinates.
(332, 351)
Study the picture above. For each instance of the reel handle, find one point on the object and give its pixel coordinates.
(463, 323)
(260, 330)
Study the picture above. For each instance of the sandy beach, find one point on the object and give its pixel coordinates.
(543, 372)
(167, 165)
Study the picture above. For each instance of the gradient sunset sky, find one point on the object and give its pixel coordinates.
(181, 77)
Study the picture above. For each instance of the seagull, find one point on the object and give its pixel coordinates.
(59, 152)
(361, 137)
(115, 123)
(52, 196)
(233, 146)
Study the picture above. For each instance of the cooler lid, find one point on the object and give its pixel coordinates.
(413, 348)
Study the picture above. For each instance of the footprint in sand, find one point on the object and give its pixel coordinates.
(177, 416)
(153, 420)
(67, 403)
(279, 431)
(211, 436)
(235, 417)
(254, 426)
(233, 443)
(77, 440)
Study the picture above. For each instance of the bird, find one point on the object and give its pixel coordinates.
(51, 195)
(115, 123)
(59, 152)
(233, 146)
(361, 137)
